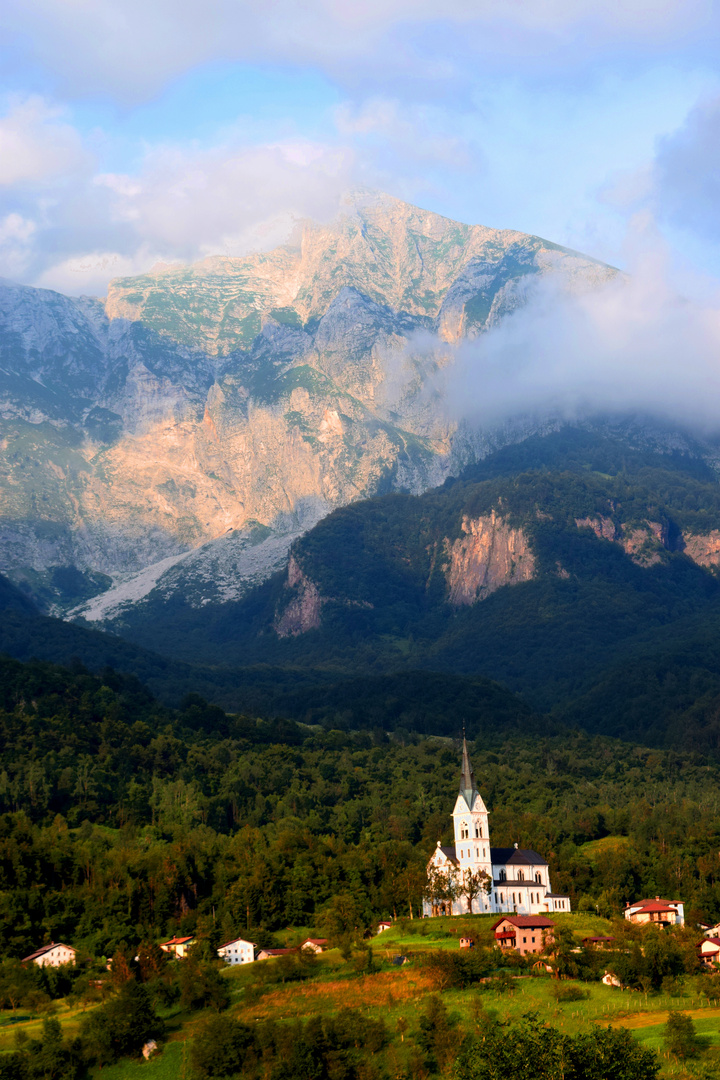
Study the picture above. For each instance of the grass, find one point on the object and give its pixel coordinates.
(593, 848)
(171, 1063)
(398, 995)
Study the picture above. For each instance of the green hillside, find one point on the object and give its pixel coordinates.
(601, 637)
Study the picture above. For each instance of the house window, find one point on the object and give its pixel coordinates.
(524, 941)
(533, 940)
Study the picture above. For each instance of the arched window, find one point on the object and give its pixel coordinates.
(520, 875)
(502, 876)
(538, 878)
(464, 830)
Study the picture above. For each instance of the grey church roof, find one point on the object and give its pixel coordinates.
(449, 853)
(467, 777)
(512, 856)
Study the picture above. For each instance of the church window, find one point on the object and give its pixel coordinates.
(503, 875)
(520, 875)
(538, 878)
(477, 853)
(464, 831)
(484, 854)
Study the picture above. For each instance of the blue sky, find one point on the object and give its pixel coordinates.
(135, 132)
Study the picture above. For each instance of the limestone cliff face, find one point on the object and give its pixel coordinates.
(643, 543)
(199, 403)
(302, 612)
(704, 550)
(489, 555)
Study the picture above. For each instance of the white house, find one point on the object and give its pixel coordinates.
(315, 944)
(710, 951)
(483, 878)
(662, 912)
(237, 951)
(384, 925)
(178, 946)
(53, 955)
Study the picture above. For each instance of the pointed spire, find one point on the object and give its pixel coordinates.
(467, 777)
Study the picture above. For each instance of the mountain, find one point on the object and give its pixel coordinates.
(577, 571)
(176, 437)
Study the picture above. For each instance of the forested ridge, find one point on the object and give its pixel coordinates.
(122, 819)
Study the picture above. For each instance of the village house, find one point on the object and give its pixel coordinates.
(473, 877)
(712, 931)
(598, 942)
(178, 946)
(524, 933)
(384, 925)
(268, 954)
(467, 943)
(237, 951)
(659, 911)
(710, 951)
(315, 944)
(53, 955)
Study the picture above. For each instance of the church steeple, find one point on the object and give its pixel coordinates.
(467, 777)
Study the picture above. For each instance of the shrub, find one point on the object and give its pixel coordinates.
(680, 1037)
(570, 992)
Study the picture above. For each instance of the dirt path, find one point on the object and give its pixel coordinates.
(650, 1019)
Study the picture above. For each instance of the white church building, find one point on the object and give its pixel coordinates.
(473, 876)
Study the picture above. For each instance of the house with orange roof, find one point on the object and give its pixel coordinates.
(178, 946)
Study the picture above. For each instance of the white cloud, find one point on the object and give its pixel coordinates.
(686, 173)
(36, 145)
(634, 345)
(412, 133)
(228, 199)
(131, 48)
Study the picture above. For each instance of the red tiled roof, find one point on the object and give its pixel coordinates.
(656, 906)
(315, 941)
(178, 940)
(653, 900)
(525, 920)
(276, 952)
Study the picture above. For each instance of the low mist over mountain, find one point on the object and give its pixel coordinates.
(182, 432)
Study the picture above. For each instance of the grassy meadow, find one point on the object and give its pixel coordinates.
(398, 995)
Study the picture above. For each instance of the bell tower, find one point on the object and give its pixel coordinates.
(472, 831)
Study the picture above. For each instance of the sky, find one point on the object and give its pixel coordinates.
(135, 132)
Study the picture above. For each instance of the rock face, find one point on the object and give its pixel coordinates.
(302, 611)
(197, 405)
(489, 554)
(704, 550)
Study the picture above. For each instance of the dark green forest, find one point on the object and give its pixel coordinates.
(122, 819)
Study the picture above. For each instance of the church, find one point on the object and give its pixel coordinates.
(474, 877)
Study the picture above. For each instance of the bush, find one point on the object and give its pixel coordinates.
(680, 1037)
(122, 1026)
(570, 993)
(219, 1048)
